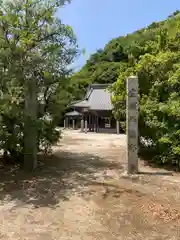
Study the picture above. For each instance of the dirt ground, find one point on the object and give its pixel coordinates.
(82, 192)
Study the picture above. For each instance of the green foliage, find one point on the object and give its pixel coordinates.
(158, 70)
(35, 46)
(152, 53)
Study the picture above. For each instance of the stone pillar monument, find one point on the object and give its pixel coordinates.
(132, 124)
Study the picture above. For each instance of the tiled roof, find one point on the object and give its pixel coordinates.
(97, 98)
(81, 104)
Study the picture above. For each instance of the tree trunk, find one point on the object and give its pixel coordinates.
(30, 128)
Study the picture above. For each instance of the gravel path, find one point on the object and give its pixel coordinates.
(81, 192)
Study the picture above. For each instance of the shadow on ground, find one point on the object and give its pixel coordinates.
(55, 179)
(147, 155)
(156, 173)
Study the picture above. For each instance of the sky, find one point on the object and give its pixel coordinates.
(96, 22)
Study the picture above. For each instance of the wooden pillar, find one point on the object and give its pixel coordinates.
(97, 124)
(89, 122)
(73, 124)
(65, 120)
(86, 125)
(132, 124)
(117, 127)
(94, 123)
(82, 125)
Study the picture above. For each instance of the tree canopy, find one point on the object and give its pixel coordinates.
(36, 51)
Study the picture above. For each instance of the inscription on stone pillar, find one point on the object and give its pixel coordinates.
(132, 124)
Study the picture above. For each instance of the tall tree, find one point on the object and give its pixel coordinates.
(37, 49)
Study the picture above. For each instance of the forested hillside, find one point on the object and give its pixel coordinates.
(152, 53)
